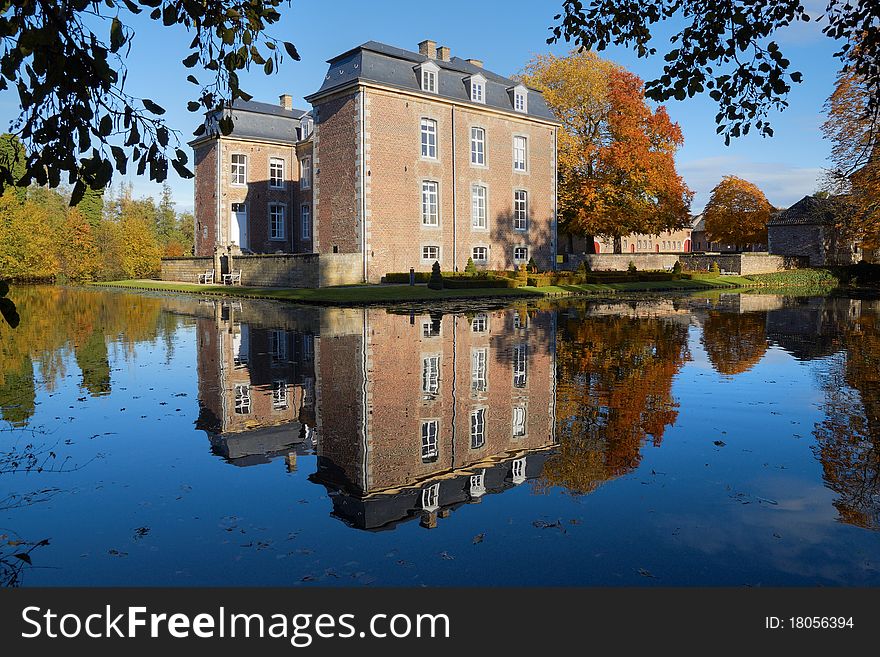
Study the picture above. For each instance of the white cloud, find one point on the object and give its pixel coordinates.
(783, 184)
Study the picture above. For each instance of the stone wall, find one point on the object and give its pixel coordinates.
(185, 269)
(739, 263)
(282, 270)
(802, 240)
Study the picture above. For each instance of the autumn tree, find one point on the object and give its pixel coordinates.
(616, 165)
(726, 49)
(78, 254)
(855, 154)
(737, 213)
(734, 342)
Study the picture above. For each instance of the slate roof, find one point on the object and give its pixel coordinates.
(263, 122)
(378, 62)
(809, 211)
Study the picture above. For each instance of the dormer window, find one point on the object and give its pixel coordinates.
(519, 96)
(428, 77)
(305, 127)
(477, 87)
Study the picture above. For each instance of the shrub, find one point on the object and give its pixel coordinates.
(403, 277)
(436, 280)
(676, 268)
(631, 267)
(715, 269)
(532, 266)
(470, 267)
(471, 282)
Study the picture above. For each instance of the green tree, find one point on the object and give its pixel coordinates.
(66, 62)
(91, 205)
(727, 49)
(13, 159)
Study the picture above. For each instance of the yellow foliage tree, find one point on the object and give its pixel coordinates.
(77, 251)
(27, 240)
(737, 213)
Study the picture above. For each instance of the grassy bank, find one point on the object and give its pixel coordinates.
(380, 294)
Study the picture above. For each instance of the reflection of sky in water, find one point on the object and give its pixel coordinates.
(151, 504)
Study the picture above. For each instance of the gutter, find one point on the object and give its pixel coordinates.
(363, 182)
(454, 204)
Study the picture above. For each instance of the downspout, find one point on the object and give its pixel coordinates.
(217, 189)
(555, 237)
(454, 206)
(363, 183)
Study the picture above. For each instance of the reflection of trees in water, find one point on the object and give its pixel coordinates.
(734, 342)
(848, 440)
(613, 394)
(55, 320)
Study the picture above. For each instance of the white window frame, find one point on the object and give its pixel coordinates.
(520, 358)
(430, 204)
(242, 399)
(476, 258)
(477, 89)
(428, 330)
(478, 484)
(429, 77)
(431, 497)
(305, 218)
(276, 181)
(518, 470)
(305, 173)
(478, 146)
(478, 428)
(274, 210)
(479, 369)
(479, 207)
(280, 400)
(431, 375)
(520, 101)
(520, 260)
(278, 346)
(429, 258)
(430, 440)
(520, 210)
(428, 141)
(520, 153)
(520, 420)
(238, 169)
(308, 347)
(480, 323)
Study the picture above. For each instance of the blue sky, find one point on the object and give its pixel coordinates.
(505, 36)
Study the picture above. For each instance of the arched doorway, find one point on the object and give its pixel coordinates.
(657, 248)
(596, 247)
(687, 246)
(632, 247)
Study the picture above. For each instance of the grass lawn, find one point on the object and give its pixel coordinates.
(377, 294)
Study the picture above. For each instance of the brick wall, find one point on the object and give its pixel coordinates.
(205, 198)
(740, 263)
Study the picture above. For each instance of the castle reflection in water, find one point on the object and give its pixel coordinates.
(411, 415)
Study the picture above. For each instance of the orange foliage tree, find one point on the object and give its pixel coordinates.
(616, 156)
(614, 395)
(737, 213)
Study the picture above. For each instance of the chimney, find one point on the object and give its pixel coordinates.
(475, 62)
(286, 101)
(443, 53)
(428, 48)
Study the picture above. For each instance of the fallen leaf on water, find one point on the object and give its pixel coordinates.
(446, 555)
(478, 538)
(645, 573)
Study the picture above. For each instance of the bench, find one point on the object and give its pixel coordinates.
(206, 277)
(233, 277)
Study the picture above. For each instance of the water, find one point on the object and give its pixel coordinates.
(730, 440)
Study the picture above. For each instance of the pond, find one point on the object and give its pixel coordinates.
(183, 441)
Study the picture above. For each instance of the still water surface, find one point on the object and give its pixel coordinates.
(155, 440)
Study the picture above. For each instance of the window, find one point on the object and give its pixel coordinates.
(479, 361)
(518, 470)
(431, 253)
(239, 169)
(520, 321)
(431, 329)
(430, 203)
(478, 91)
(276, 173)
(519, 101)
(480, 254)
(520, 360)
(279, 395)
(430, 429)
(242, 399)
(520, 210)
(519, 153)
(519, 421)
(431, 375)
(308, 348)
(276, 221)
(305, 173)
(478, 484)
(478, 428)
(478, 146)
(478, 206)
(429, 138)
(306, 221)
(429, 80)
(305, 127)
(480, 323)
(278, 346)
(431, 497)
(520, 254)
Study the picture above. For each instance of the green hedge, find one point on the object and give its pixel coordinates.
(476, 282)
